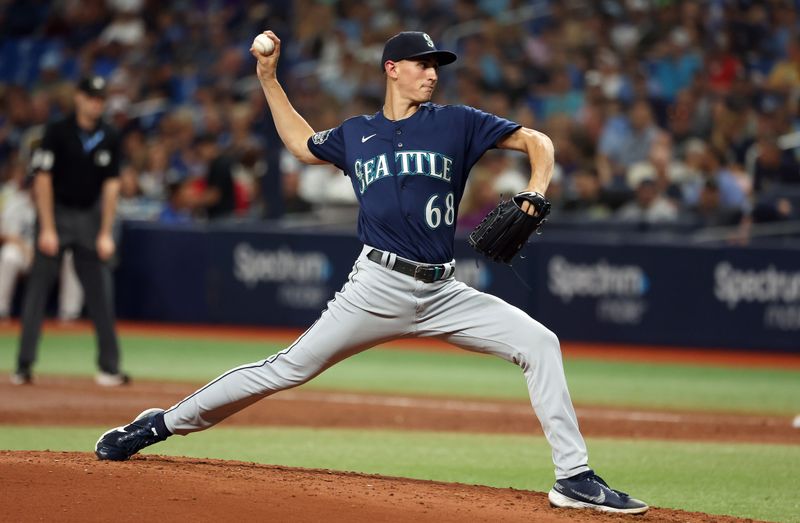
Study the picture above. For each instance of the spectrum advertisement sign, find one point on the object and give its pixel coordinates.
(718, 297)
(608, 292)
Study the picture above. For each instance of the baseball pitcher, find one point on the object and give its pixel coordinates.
(408, 164)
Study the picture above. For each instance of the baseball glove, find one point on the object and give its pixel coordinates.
(504, 231)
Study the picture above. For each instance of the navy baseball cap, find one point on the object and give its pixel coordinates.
(414, 44)
(93, 86)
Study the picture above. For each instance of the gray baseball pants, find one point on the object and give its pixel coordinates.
(376, 305)
(77, 230)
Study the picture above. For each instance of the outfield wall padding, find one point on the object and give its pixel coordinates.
(662, 294)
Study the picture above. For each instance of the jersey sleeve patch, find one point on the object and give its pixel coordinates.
(41, 160)
(43, 157)
(329, 146)
(320, 137)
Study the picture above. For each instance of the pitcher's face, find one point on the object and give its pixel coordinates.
(416, 79)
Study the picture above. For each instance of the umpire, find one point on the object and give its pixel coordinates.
(75, 187)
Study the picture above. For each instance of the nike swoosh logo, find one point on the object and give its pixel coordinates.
(365, 138)
(596, 499)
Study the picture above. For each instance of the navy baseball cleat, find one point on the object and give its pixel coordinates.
(588, 490)
(121, 443)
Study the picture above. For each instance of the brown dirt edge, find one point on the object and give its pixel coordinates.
(716, 357)
(66, 401)
(71, 486)
(571, 349)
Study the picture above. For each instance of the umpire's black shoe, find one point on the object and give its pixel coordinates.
(22, 377)
(588, 490)
(121, 443)
(105, 379)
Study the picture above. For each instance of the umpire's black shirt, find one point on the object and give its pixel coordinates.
(79, 161)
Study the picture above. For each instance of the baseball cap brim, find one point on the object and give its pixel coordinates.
(441, 57)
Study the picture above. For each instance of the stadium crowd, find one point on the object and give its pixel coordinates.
(662, 112)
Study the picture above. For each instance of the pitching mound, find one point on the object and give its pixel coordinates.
(69, 486)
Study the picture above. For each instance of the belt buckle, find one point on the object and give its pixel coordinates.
(427, 274)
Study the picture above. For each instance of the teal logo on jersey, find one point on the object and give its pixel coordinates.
(370, 171)
(406, 163)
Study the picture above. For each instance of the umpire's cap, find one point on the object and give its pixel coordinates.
(414, 44)
(93, 85)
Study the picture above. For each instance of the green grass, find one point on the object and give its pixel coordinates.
(658, 385)
(745, 480)
(767, 391)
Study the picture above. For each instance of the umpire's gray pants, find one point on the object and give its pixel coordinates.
(77, 230)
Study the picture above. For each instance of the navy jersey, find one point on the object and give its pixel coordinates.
(409, 175)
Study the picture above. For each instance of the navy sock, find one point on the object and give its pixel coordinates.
(160, 426)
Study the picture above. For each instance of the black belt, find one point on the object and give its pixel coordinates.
(422, 272)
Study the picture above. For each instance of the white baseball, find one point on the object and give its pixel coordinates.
(263, 45)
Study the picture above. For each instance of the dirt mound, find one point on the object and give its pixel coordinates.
(68, 486)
